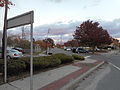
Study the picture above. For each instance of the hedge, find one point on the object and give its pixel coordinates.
(63, 57)
(1, 65)
(27, 62)
(41, 62)
(14, 66)
(78, 57)
(45, 61)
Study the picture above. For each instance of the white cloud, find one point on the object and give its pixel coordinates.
(66, 29)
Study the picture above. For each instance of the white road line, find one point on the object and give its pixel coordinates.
(114, 66)
(14, 86)
(87, 56)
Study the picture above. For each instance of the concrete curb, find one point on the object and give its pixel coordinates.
(73, 83)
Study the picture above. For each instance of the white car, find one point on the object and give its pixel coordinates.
(13, 54)
(67, 48)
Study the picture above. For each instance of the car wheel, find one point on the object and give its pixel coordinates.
(8, 57)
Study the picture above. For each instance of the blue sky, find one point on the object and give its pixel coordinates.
(68, 12)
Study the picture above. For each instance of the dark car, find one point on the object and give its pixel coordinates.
(74, 49)
(81, 50)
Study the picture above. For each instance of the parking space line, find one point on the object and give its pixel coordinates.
(14, 86)
(87, 56)
(114, 66)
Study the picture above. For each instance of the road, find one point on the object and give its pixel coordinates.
(112, 80)
(57, 50)
(106, 79)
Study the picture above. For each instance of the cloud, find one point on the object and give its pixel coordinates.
(56, 1)
(57, 29)
(66, 29)
(91, 3)
(113, 27)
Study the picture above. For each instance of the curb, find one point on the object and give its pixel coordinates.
(73, 83)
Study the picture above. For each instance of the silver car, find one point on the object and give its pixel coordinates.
(13, 54)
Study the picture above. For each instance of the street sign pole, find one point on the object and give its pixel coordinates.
(31, 59)
(20, 20)
(5, 41)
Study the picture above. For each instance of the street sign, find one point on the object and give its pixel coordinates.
(20, 20)
(23, 19)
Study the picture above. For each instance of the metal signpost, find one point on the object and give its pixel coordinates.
(24, 19)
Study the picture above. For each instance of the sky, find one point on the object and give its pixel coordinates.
(62, 16)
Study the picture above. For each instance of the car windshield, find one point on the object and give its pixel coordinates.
(13, 51)
(80, 49)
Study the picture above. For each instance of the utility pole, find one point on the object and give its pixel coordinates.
(4, 41)
(47, 41)
(61, 39)
(23, 33)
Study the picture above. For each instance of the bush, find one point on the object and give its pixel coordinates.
(45, 61)
(1, 65)
(53, 61)
(63, 57)
(40, 62)
(15, 66)
(27, 62)
(77, 57)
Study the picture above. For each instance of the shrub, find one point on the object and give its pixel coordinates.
(63, 57)
(1, 65)
(77, 57)
(45, 61)
(27, 62)
(40, 62)
(53, 61)
(15, 66)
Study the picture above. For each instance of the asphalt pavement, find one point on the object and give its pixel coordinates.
(112, 80)
(109, 81)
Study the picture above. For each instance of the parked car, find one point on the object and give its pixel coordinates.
(74, 49)
(13, 54)
(81, 50)
(19, 49)
(67, 48)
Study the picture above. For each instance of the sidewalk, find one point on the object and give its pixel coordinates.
(52, 79)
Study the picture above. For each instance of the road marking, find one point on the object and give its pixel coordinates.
(114, 66)
(14, 86)
(87, 56)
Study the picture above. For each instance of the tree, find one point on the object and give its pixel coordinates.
(49, 41)
(16, 41)
(41, 43)
(89, 33)
(3, 2)
(71, 43)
